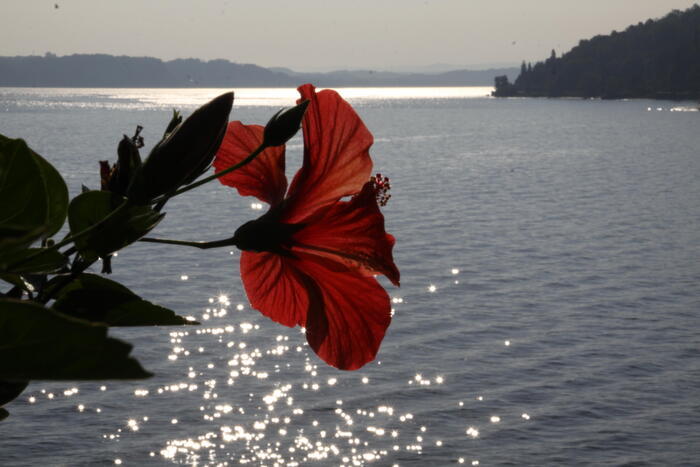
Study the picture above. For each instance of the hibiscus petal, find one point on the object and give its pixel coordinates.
(263, 177)
(345, 314)
(336, 155)
(345, 327)
(352, 232)
(275, 287)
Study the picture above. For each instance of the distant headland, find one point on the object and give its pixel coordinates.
(100, 70)
(655, 59)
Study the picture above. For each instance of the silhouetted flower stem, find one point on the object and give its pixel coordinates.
(191, 186)
(200, 245)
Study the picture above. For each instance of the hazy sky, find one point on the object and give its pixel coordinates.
(319, 34)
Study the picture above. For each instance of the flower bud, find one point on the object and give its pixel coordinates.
(185, 153)
(128, 163)
(174, 122)
(283, 125)
(106, 172)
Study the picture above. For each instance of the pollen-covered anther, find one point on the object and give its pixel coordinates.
(381, 187)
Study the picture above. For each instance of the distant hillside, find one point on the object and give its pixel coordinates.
(387, 78)
(655, 59)
(110, 71)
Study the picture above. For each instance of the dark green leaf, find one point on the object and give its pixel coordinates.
(25, 218)
(38, 193)
(17, 237)
(128, 225)
(95, 298)
(37, 343)
(57, 195)
(32, 260)
(9, 390)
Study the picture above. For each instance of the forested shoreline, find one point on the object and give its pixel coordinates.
(654, 59)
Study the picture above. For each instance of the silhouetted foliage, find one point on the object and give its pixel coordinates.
(504, 88)
(655, 59)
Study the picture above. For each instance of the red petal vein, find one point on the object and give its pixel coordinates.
(347, 330)
(336, 154)
(352, 232)
(263, 177)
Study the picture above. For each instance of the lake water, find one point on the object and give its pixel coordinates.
(549, 312)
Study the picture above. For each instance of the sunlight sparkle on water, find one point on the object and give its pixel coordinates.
(133, 424)
(259, 398)
(223, 300)
(190, 98)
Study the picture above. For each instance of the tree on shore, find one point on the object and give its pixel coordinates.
(654, 59)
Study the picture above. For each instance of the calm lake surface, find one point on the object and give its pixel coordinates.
(549, 312)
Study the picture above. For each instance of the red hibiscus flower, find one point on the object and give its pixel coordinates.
(311, 259)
